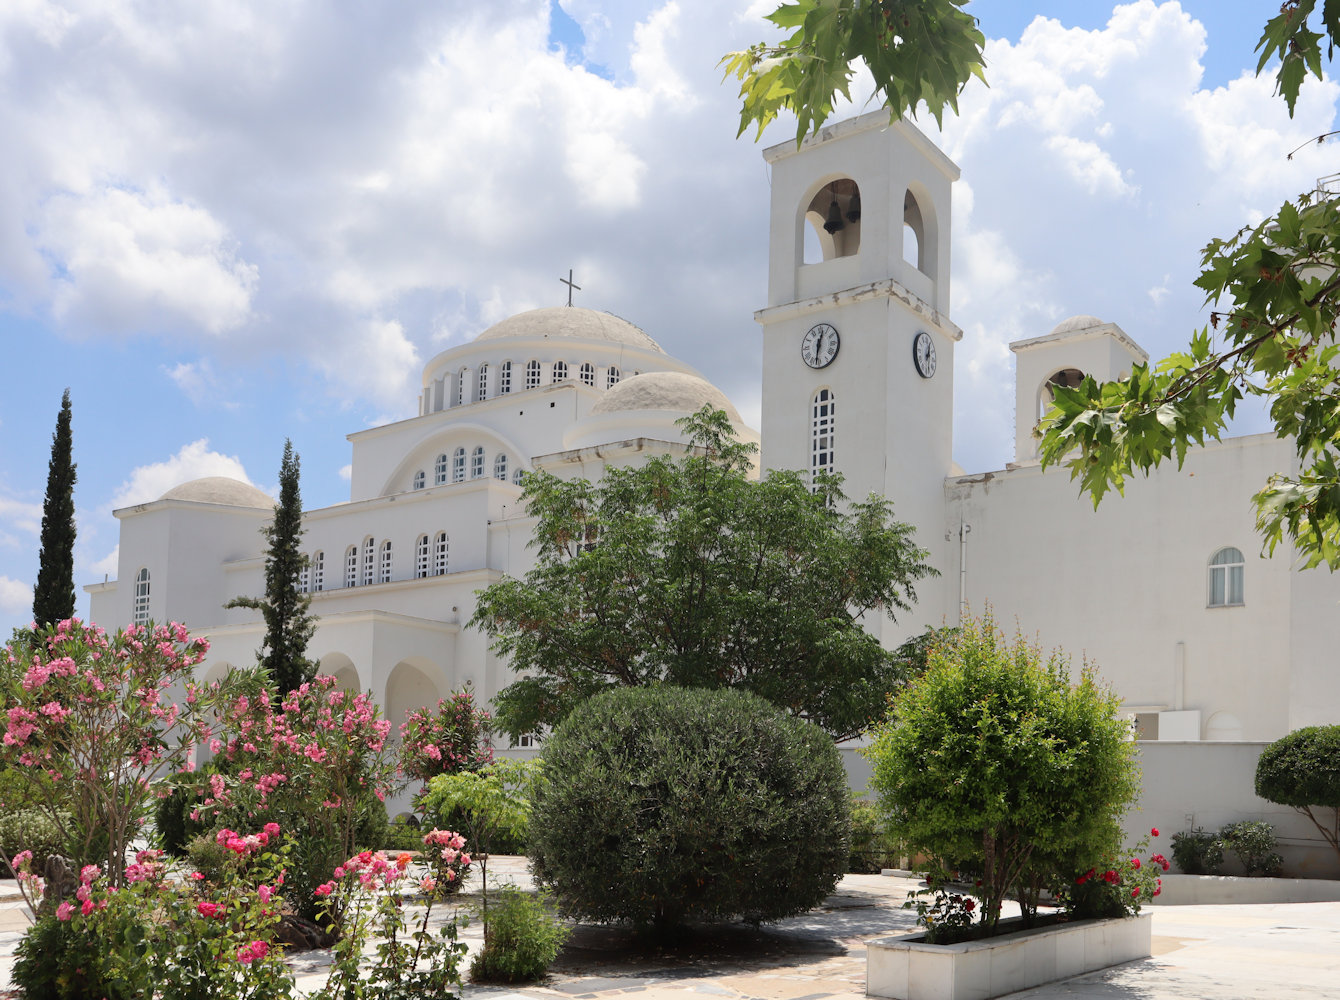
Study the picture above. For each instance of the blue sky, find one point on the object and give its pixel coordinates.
(221, 227)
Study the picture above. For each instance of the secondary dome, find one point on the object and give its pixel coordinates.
(665, 391)
(221, 490)
(1075, 323)
(571, 322)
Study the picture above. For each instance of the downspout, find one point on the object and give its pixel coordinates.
(963, 531)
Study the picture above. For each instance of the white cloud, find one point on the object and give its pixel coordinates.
(19, 516)
(192, 461)
(106, 567)
(16, 597)
(347, 472)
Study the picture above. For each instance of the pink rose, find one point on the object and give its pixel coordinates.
(64, 910)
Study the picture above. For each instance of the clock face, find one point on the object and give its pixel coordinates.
(819, 346)
(923, 354)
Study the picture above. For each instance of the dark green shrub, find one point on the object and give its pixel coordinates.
(172, 820)
(871, 848)
(1198, 852)
(29, 830)
(662, 805)
(58, 961)
(208, 856)
(1303, 770)
(1254, 843)
(524, 937)
(399, 837)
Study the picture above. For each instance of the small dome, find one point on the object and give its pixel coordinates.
(1075, 323)
(571, 322)
(665, 391)
(221, 490)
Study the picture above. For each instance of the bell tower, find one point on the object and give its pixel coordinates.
(858, 347)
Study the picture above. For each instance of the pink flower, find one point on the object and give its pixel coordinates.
(324, 890)
(86, 907)
(265, 892)
(252, 952)
(210, 910)
(272, 829)
(64, 910)
(428, 884)
(197, 876)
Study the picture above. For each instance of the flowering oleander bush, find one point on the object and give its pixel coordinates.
(453, 737)
(315, 760)
(157, 937)
(993, 761)
(368, 891)
(1119, 884)
(86, 714)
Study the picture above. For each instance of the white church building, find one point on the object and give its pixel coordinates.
(1165, 589)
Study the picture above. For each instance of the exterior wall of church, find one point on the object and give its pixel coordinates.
(1127, 586)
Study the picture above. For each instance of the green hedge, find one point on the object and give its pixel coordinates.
(664, 805)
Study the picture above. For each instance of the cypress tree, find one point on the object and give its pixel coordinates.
(288, 625)
(53, 597)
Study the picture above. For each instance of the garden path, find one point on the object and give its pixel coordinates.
(1210, 952)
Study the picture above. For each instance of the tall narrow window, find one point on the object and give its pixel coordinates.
(440, 554)
(463, 387)
(305, 580)
(505, 378)
(611, 377)
(477, 462)
(500, 466)
(821, 433)
(384, 572)
(420, 480)
(142, 596)
(516, 477)
(1226, 578)
(483, 382)
(440, 470)
(351, 566)
(588, 374)
(560, 371)
(369, 560)
(458, 465)
(421, 557)
(532, 374)
(318, 571)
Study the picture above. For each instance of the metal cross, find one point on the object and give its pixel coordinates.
(568, 281)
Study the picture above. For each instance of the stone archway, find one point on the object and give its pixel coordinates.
(409, 686)
(339, 666)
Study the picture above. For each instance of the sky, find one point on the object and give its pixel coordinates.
(224, 224)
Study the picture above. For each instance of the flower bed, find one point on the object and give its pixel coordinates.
(906, 968)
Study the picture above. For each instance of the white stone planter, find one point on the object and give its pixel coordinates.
(907, 968)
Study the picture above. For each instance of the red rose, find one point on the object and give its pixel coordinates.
(1154, 831)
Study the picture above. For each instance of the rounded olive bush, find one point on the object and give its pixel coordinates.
(666, 805)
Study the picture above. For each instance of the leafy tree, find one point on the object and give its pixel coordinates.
(53, 597)
(992, 761)
(1303, 770)
(917, 50)
(288, 626)
(686, 571)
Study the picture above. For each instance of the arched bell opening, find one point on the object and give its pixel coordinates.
(834, 221)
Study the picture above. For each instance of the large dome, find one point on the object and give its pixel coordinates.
(665, 391)
(571, 322)
(220, 490)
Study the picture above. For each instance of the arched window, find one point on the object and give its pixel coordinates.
(477, 462)
(611, 377)
(421, 557)
(463, 387)
(384, 573)
(141, 596)
(420, 480)
(351, 566)
(305, 580)
(505, 378)
(1069, 378)
(821, 432)
(834, 222)
(1226, 578)
(440, 554)
(532, 374)
(458, 465)
(440, 470)
(318, 571)
(500, 466)
(516, 477)
(560, 371)
(483, 382)
(588, 374)
(369, 560)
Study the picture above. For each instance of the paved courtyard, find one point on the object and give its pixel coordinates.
(1200, 953)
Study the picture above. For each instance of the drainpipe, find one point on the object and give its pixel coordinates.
(1179, 675)
(963, 531)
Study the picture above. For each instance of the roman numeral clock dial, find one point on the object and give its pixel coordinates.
(819, 346)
